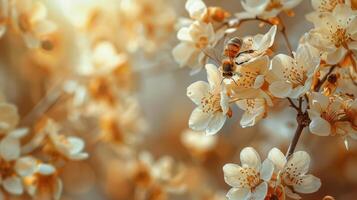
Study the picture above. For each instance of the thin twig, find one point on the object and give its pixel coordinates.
(303, 120)
(295, 140)
(292, 104)
(53, 94)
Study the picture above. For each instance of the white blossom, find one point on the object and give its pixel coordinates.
(250, 180)
(193, 39)
(329, 117)
(292, 172)
(212, 103)
(335, 33)
(294, 75)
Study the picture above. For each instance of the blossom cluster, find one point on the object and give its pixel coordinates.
(256, 79)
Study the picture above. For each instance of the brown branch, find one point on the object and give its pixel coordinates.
(303, 120)
(295, 140)
(292, 104)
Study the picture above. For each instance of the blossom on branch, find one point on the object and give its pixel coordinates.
(212, 103)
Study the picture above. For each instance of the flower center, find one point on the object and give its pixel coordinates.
(329, 5)
(332, 114)
(202, 42)
(251, 178)
(274, 4)
(340, 37)
(211, 103)
(295, 75)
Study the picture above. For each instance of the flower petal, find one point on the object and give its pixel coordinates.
(267, 170)
(336, 56)
(45, 169)
(216, 123)
(13, 185)
(199, 120)
(197, 90)
(298, 164)
(10, 148)
(182, 53)
(260, 191)
(278, 158)
(250, 158)
(320, 127)
(308, 185)
(25, 166)
(233, 175)
(280, 89)
(238, 193)
(213, 76)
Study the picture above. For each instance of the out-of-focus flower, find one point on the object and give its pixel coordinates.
(13, 166)
(292, 173)
(212, 103)
(163, 176)
(250, 180)
(30, 19)
(197, 142)
(321, 6)
(329, 117)
(44, 183)
(255, 110)
(198, 10)
(267, 8)
(144, 24)
(194, 39)
(294, 75)
(106, 58)
(259, 44)
(335, 33)
(124, 125)
(9, 117)
(70, 147)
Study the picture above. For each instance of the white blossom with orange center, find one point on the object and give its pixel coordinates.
(335, 33)
(70, 147)
(321, 6)
(254, 110)
(329, 117)
(266, 8)
(44, 182)
(212, 103)
(294, 75)
(292, 173)
(13, 166)
(259, 43)
(194, 39)
(250, 180)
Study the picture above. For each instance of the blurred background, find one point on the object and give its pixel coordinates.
(136, 109)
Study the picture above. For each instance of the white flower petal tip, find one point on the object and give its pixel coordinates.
(250, 158)
(46, 169)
